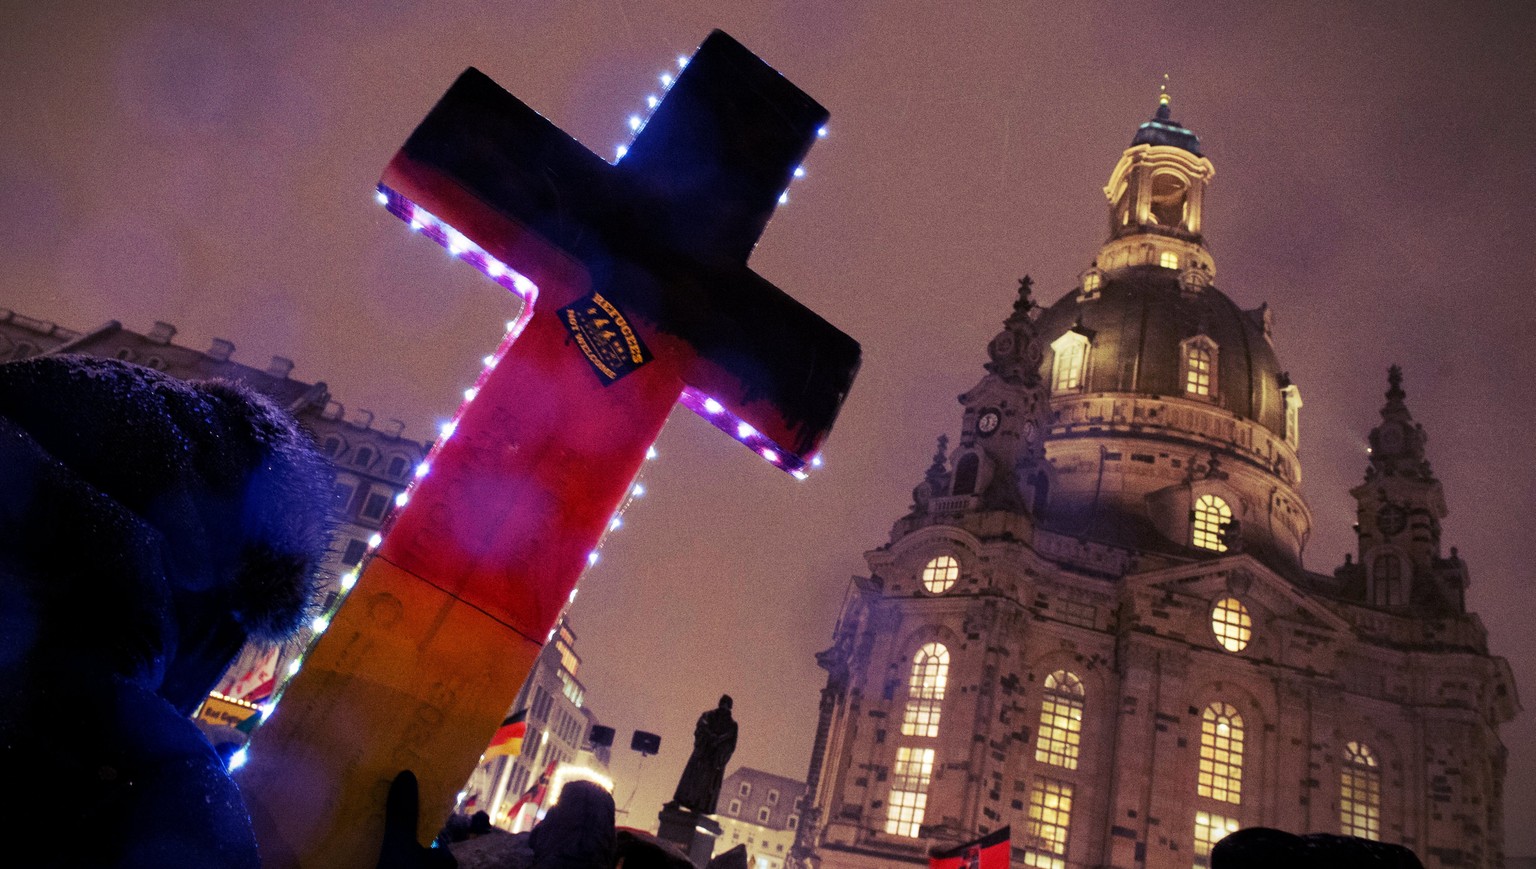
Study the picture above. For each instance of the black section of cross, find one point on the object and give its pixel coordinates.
(666, 232)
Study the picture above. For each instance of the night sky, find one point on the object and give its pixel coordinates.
(212, 165)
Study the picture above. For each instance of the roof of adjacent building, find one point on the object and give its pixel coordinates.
(761, 784)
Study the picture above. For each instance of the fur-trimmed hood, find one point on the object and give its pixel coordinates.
(171, 520)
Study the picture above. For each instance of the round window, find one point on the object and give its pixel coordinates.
(941, 573)
(1231, 624)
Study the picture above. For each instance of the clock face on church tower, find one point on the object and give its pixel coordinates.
(988, 421)
(1391, 519)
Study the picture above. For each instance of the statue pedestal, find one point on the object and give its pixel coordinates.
(694, 833)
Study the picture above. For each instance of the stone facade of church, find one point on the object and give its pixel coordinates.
(1093, 625)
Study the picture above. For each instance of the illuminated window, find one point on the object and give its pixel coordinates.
(1221, 754)
(1168, 259)
(1231, 624)
(1061, 720)
(1071, 352)
(1050, 814)
(1292, 414)
(1360, 793)
(1210, 829)
(1387, 586)
(909, 791)
(941, 573)
(925, 691)
(1091, 283)
(1199, 368)
(1211, 516)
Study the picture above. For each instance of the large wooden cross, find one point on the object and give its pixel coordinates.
(639, 296)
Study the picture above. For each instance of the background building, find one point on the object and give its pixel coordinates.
(374, 462)
(557, 740)
(762, 811)
(1093, 624)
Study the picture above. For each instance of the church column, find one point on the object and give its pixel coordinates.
(1135, 757)
(801, 854)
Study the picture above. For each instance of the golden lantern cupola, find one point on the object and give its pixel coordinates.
(1156, 195)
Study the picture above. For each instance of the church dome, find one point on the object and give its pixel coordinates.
(1172, 425)
(1139, 322)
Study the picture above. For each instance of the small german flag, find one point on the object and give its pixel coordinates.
(509, 736)
(988, 852)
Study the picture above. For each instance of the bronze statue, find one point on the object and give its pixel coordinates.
(714, 741)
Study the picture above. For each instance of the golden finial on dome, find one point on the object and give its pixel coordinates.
(1162, 92)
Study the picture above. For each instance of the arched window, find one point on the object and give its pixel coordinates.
(1042, 486)
(1211, 517)
(363, 458)
(1050, 819)
(1387, 585)
(925, 691)
(908, 798)
(1061, 721)
(1168, 196)
(1168, 259)
(966, 471)
(1221, 754)
(1231, 624)
(1360, 792)
(332, 446)
(1210, 828)
(941, 573)
(1199, 364)
(397, 466)
(1071, 362)
(1091, 284)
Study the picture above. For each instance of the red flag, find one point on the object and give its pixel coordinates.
(535, 794)
(988, 852)
(256, 684)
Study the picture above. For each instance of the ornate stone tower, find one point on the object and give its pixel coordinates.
(1093, 624)
(1400, 508)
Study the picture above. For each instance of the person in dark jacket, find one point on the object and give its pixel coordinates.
(578, 831)
(148, 528)
(1267, 848)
